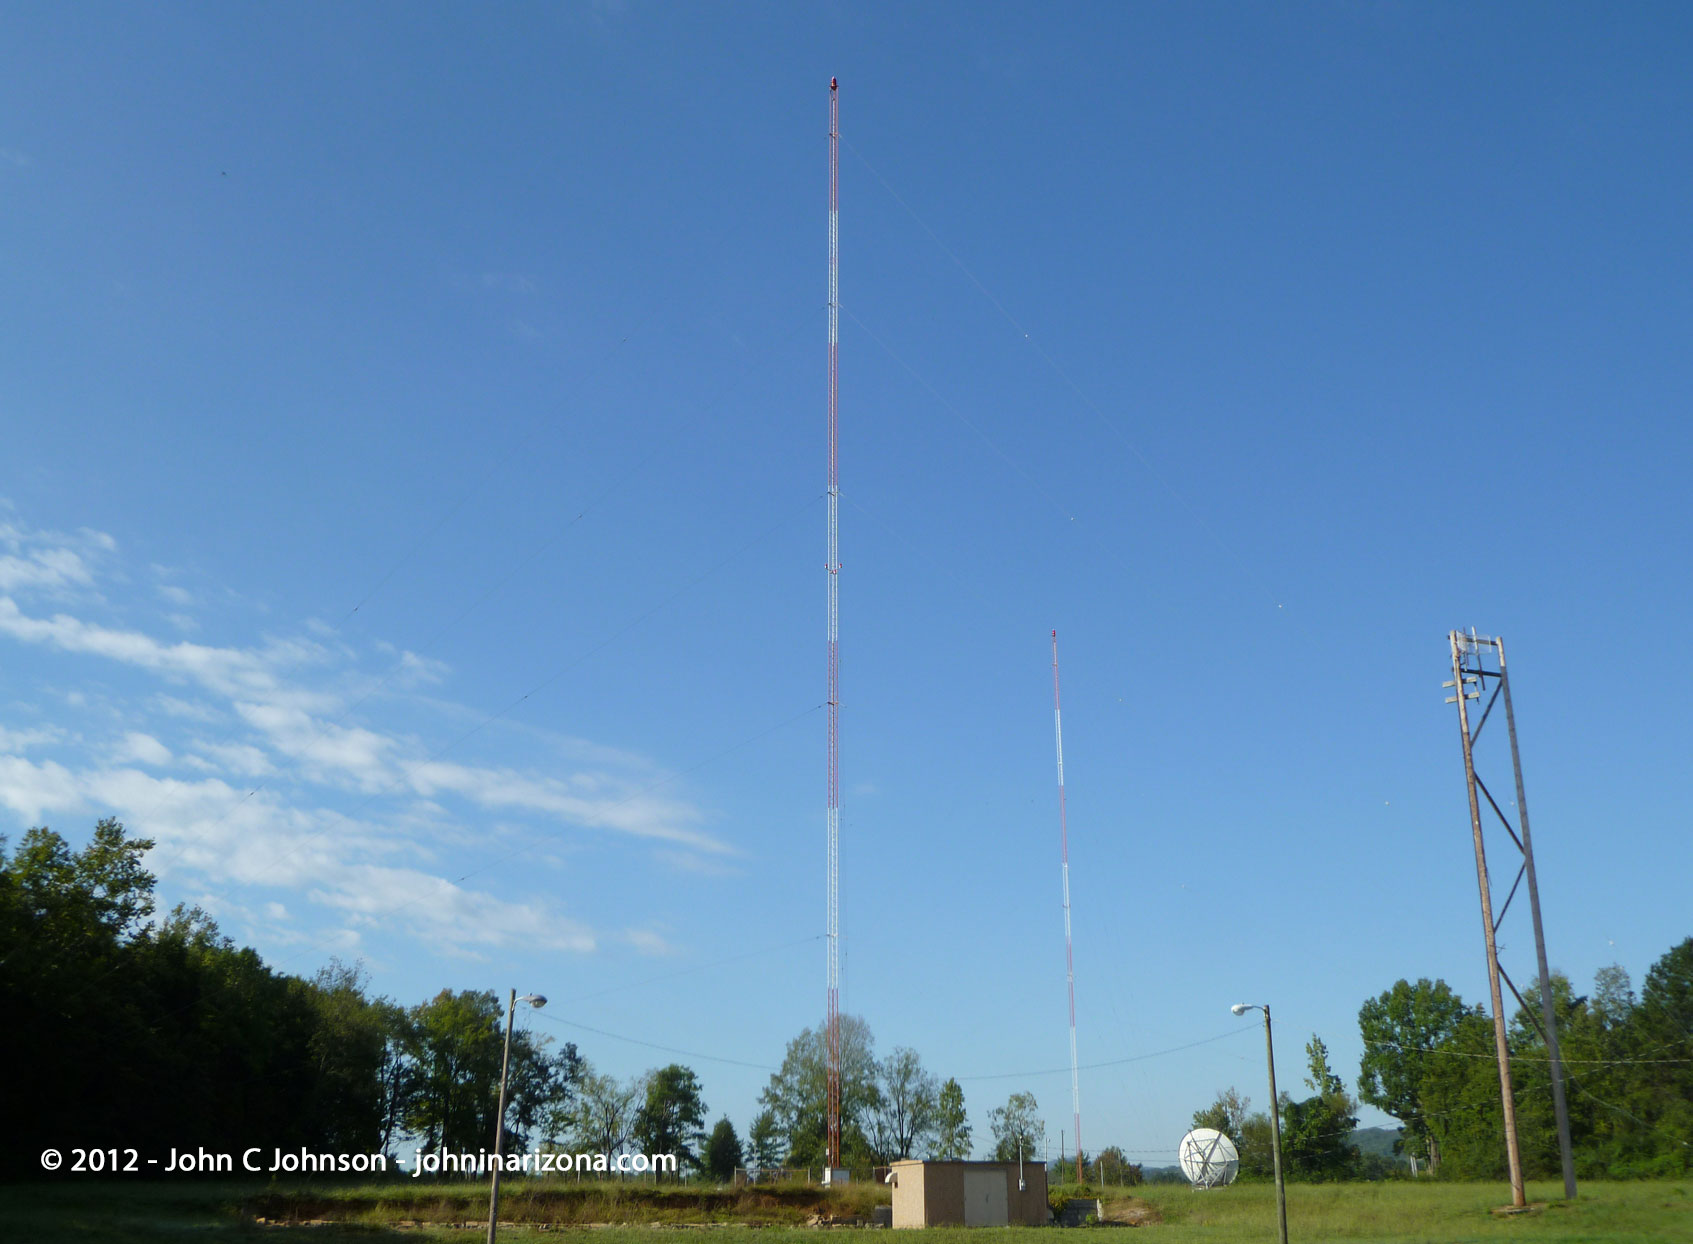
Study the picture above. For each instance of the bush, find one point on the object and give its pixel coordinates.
(1055, 1197)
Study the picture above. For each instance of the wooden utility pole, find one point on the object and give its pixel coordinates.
(1477, 663)
(1461, 683)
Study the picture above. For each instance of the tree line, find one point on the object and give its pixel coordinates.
(129, 1031)
(894, 1108)
(1315, 1130)
(125, 1031)
(1430, 1061)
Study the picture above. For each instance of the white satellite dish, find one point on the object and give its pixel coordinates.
(1209, 1158)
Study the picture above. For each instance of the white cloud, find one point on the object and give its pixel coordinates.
(649, 942)
(227, 671)
(447, 914)
(417, 670)
(693, 862)
(249, 809)
(326, 750)
(141, 749)
(211, 831)
(640, 814)
(36, 791)
(184, 708)
(509, 282)
(23, 740)
(367, 760)
(34, 560)
(241, 759)
(43, 568)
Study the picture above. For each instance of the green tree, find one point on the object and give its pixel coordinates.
(456, 1047)
(1460, 1097)
(951, 1142)
(1613, 1000)
(602, 1114)
(1663, 1024)
(1400, 1029)
(457, 1043)
(65, 896)
(1531, 1074)
(348, 1048)
(906, 1116)
(398, 1080)
(1256, 1145)
(1226, 1115)
(672, 1116)
(1112, 1166)
(1315, 1131)
(217, 1048)
(1017, 1129)
(722, 1151)
(797, 1094)
(70, 980)
(764, 1141)
(1600, 1041)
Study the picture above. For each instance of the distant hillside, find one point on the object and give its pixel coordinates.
(1370, 1140)
(1376, 1140)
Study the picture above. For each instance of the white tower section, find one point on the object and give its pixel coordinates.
(1069, 957)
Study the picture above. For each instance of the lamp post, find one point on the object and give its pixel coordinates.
(537, 1001)
(1241, 1008)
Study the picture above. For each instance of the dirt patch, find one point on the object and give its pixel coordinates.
(629, 1205)
(1129, 1212)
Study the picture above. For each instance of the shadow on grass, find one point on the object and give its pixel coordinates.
(154, 1213)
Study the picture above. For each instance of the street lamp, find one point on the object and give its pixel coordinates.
(537, 1001)
(1241, 1008)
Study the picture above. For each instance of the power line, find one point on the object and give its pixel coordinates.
(1195, 514)
(654, 1045)
(325, 725)
(529, 844)
(1580, 1088)
(408, 772)
(519, 850)
(1529, 1058)
(662, 782)
(1114, 1062)
(669, 1049)
(717, 963)
(960, 415)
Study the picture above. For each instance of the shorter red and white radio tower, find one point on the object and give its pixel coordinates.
(1069, 957)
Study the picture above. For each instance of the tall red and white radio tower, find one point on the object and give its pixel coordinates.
(834, 568)
(1069, 958)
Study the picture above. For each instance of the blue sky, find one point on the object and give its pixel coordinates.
(413, 473)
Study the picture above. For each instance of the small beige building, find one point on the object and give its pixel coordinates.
(968, 1194)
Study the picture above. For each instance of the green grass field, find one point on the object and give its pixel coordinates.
(1388, 1213)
